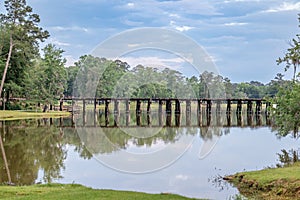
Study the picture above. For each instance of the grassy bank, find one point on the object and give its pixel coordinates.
(273, 183)
(14, 115)
(74, 191)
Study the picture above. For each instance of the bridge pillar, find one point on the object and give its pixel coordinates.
(228, 108)
(239, 107)
(218, 107)
(208, 107)
(249, 106)
(127, 106)
(177, 107)
(188, 112)
(168, 106)
(138, 106)
(149, 106)
(258, 106)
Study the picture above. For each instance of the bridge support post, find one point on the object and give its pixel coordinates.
(84, 112)
(188, 112)
(177, 107)
(168, 106)
(228, 108)
(218, 107)
(127, 105)
(138, 106)
(239, 107)
(258, 106)
(249, 106)
(208, 107)
(106, 112)
(149, 106)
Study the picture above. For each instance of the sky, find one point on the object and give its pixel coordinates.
(243, 37)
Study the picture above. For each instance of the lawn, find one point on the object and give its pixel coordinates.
(270, 183)
(75, 191)
(14, 115)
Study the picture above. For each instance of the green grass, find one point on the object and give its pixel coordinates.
(271, 183)
(75, 191)
(14, 115)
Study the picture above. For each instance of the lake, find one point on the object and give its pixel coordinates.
(148, 153)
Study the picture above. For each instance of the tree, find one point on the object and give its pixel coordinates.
(22, 35)
(47, 78)
(292, 57)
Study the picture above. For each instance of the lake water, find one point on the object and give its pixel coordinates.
(151, 157)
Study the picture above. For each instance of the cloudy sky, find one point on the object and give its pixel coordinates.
(243, 37)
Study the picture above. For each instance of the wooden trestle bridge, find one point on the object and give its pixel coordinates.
(254, 105)
(167, 108)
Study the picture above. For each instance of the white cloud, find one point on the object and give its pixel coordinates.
(180, 28)
(183, 28)
(285, 6)
(130, 5)
(71, 28)
(181, 177)
(235, 24)
(152, 61)
(58, 43)
(70, 60)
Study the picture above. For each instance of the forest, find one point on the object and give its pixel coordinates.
(42, 75)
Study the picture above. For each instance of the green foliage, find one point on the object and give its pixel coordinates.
(287, 111)
(20, 37)
(292, 56)
(47, 79)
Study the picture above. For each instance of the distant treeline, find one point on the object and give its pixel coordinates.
(48, 79)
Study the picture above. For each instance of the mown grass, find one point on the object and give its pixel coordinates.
(271, 183)
(15, 115)
(75, 191)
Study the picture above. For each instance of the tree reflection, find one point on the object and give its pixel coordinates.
(41, 145)
(30, 149)
(288, 157)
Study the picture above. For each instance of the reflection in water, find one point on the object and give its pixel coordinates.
(41, 146)
(33, 145)
(4, 155)
(288, 157)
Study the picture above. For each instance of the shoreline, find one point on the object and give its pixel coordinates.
(270, 183)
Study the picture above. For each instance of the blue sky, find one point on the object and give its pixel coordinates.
(243, 37)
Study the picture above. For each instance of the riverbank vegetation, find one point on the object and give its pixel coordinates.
(271, 183)
(75, 191)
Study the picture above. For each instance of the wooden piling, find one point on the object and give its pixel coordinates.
(228, 108)
(168, 106)
(199, 113)
(249, 106)
(116, 106)
(239, 107)
(218, 107)
(160, 103)
(127, 105)
(199, 107)
(188, 112)
(177, 107)
(138, 106)
(149, 106)
(258, 107)
(208, 106)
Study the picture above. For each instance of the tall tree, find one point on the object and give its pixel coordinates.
(292, 56)
(23, 34)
